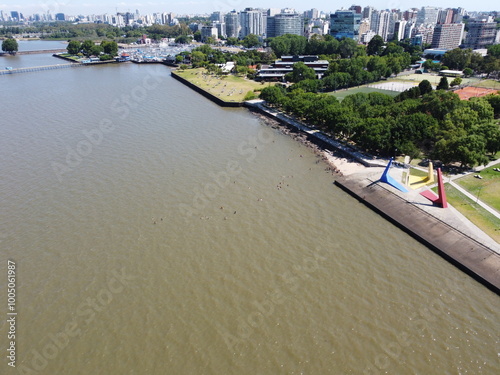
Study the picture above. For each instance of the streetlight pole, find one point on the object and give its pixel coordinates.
(479, 192)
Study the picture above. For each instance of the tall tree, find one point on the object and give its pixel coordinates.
(10, 45)
(109, 47)
(300, 72)
(251, 40)
(443, 84)
(347, 48)
(457, 58)
(87, 47)
(425, 87)
(375, 46)
(74, 47)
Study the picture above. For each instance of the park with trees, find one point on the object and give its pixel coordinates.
(436, 124)
(106, 50)
(419, 122)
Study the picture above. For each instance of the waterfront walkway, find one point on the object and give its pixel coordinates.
(367, 161)
(39, 68)
(43, 51)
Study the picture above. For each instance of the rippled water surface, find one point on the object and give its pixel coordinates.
(156, 233)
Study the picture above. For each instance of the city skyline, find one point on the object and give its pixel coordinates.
(73, 7)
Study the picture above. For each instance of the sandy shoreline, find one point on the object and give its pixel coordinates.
(337, 162)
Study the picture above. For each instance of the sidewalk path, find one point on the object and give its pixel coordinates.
(475, 199)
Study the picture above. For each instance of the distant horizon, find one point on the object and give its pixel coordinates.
(200, 7)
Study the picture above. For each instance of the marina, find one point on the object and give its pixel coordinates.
(156, 53)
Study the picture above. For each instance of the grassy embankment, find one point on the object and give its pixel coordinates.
(488, 84)
(69, 56)
(229, 88)
(487, 188)
(488, 191)
(475, 213)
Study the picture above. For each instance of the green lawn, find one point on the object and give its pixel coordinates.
(432, 78)
(488, 84)
(488, 188)
(340, 95)
(475, 213)
(229, 88)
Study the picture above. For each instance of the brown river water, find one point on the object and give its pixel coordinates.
(154, 232)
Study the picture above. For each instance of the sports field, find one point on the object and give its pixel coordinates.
(474, 92)
(433, 78)
(340, 95)
(488, 84)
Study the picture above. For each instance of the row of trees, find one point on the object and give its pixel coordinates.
(346, 73)
(327, 45)
(65, 30)
(205, 55)
(349, 64)
(437, 123)
(330, 48)
(68, 30)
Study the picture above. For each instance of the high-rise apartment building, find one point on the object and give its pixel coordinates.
(367, 12)
(252, 21)
(217, 17)
(209, 32)
(445, 16)
(399, 30)
(447, 35)
(232, 20)
(345, 24)
(427, 16)
(380, 23)
(355, 8)
(284, 23)
(481, 34)
(311, 14)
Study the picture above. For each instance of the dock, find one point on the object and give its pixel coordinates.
(44, 51)
(38, 68)
(465, 252)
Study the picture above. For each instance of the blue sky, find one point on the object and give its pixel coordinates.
(73, 7)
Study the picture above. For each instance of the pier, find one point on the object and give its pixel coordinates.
(38, 68)
(58, 50)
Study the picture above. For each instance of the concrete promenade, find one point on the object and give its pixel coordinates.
(447, 238)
